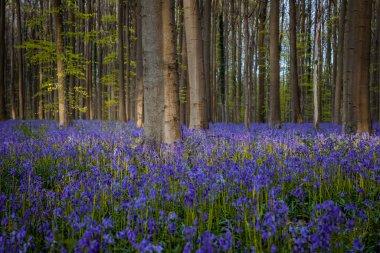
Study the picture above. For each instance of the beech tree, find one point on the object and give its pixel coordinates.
(2, 59)
(198, 113)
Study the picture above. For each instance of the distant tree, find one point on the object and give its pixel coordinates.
(57, 16)
(274, 118)
(198, 115)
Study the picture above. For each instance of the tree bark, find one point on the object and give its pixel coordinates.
(261, 60)
(152, 72)
(20, 64)
(139, 72)
(198, 115)
(2, 59)
(57, 16)
(171, 110)
(246, 67)
(363, 48)
(316, 67)
(297, 116)
(339, 74)
(274, 119)
(206, 24)
(122, 110)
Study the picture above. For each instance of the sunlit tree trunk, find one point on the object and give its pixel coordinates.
(274, 117)
(57, 16)
(171, 108)
(139, 71)
(198, 115)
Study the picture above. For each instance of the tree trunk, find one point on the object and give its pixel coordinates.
(297, 116)
(171, 110)
(363, 48)
(198, 117)
(152, 72)
(246, 67)
(2, 59)
(20, 64)
(206, 24)
(339, 74)
(57, 16)
(274, 119)
(89, 82)
(139, 72)
(316, 67)
(122, 110)
(261, 60)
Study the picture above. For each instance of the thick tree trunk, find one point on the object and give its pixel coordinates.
(198, 115)
(339, 73)
(274, 119)
(139, 72)
(152, 72)
(171, 126)
(297, 116)
(261, 60)
(57, 16)
(316, 67)
(348, 64)
(122, 110)
(183, 83)
(2, 59)
(363, 48)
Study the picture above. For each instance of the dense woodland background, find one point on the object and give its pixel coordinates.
(191, 62)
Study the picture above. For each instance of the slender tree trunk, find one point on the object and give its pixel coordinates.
(99, 92)
(274, 119)
(139, 72)
(183, 82)
(261, 60)
(127, 43)
(239, 77)
(57, 16)
(11, 79)
(206, 25)
(246, 67)
(339, 74)
(122, 110)
(2, 59)
(171, 126)
(198, 117)
(297, 116)
(316, 69)
(89, 82)
(20, 64)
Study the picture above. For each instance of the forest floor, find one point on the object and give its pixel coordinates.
(100, 186)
